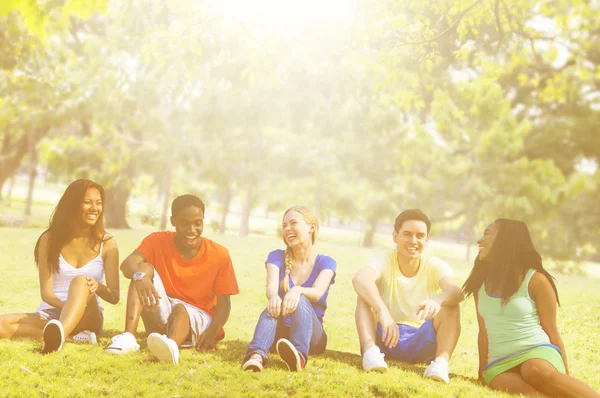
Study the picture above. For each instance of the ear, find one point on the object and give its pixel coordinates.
(395, 237)
(172, 221)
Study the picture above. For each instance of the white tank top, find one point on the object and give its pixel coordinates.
(66, 273)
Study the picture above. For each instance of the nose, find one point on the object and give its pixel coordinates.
(479, 240)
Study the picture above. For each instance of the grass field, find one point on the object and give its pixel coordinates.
(85, 370)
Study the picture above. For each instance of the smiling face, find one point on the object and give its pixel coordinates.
(91, 207)
(296, 231)
(411, 239)
(486, 241)
(189, 224)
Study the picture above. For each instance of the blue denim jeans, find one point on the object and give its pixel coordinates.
(305, 332)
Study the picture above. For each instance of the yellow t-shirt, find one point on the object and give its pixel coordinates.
(402, 295)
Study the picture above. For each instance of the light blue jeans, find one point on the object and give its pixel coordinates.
(305, 332)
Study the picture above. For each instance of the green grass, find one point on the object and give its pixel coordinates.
(84, 370)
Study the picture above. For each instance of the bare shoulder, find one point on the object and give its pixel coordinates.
(44, 237)
(110, 242)
(540, 286)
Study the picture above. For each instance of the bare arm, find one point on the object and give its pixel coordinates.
(135, 262)
(482, 341)
(147, 294)
(45, 276)
(364, 283)
(542, 293)
(365, 287)
(272, 281)
(110, 255)
(318, 289)
(207, 340)
(451, 293)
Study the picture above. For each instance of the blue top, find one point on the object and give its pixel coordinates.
(277, 257)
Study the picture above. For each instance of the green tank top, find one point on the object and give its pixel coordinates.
(514, 327)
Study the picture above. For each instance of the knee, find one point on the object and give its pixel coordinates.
(3, 327)
(78, 281)
(303, 301)
(178, 309)
(178, 312)
(450, 314)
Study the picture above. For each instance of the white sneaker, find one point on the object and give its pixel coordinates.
(86, 337)
(163, 348)
(438, 370)
(123, 343)
(54, 336)
(373, 360)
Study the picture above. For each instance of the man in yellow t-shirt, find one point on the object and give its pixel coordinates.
(407, 305)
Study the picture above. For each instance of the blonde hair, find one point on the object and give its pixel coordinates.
(309, 218)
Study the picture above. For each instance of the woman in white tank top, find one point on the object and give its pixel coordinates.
(74, 256)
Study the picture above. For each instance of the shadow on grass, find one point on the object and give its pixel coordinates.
(233, 351)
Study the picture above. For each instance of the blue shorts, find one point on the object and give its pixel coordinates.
(414, 345)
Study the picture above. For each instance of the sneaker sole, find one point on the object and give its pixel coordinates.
(289, 354)
(120, 351)
(378, 369)
(438, 378)
(253, 366)
(52, 338)
(160, 349)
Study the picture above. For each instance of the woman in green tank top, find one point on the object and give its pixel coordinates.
(520, 348)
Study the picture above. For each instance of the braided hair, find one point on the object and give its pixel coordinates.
(309, 218)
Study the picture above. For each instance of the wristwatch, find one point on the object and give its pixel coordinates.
(138, 276)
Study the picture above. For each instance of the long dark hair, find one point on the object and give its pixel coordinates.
(64, 219)
(511, 255)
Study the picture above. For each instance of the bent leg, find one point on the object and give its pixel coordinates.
(77, 300)
(513, 383)
(21, 325)
(447, 327)
(133, 310)
(155, 319)
(264, 335)
(544, 377)
(178, 327)
(306, 330)
(366, 325)
(92, 318)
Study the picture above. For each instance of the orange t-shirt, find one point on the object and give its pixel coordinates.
(196, 281)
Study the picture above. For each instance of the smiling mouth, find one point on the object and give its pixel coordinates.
(290, 238)
(412, 249)
(190, 240)
(92, 216)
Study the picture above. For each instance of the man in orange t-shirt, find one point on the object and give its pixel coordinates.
(180, 286)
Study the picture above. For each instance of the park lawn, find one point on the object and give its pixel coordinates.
(85, 370)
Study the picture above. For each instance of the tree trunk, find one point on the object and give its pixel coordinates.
(115, 209)
(245, 221)
(225, 203)
(33, 162)
(166, 196)
(370, 232)
(11, 185)
(11, 157)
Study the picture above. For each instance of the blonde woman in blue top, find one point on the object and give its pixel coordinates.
(520, 348)
(298, 281)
